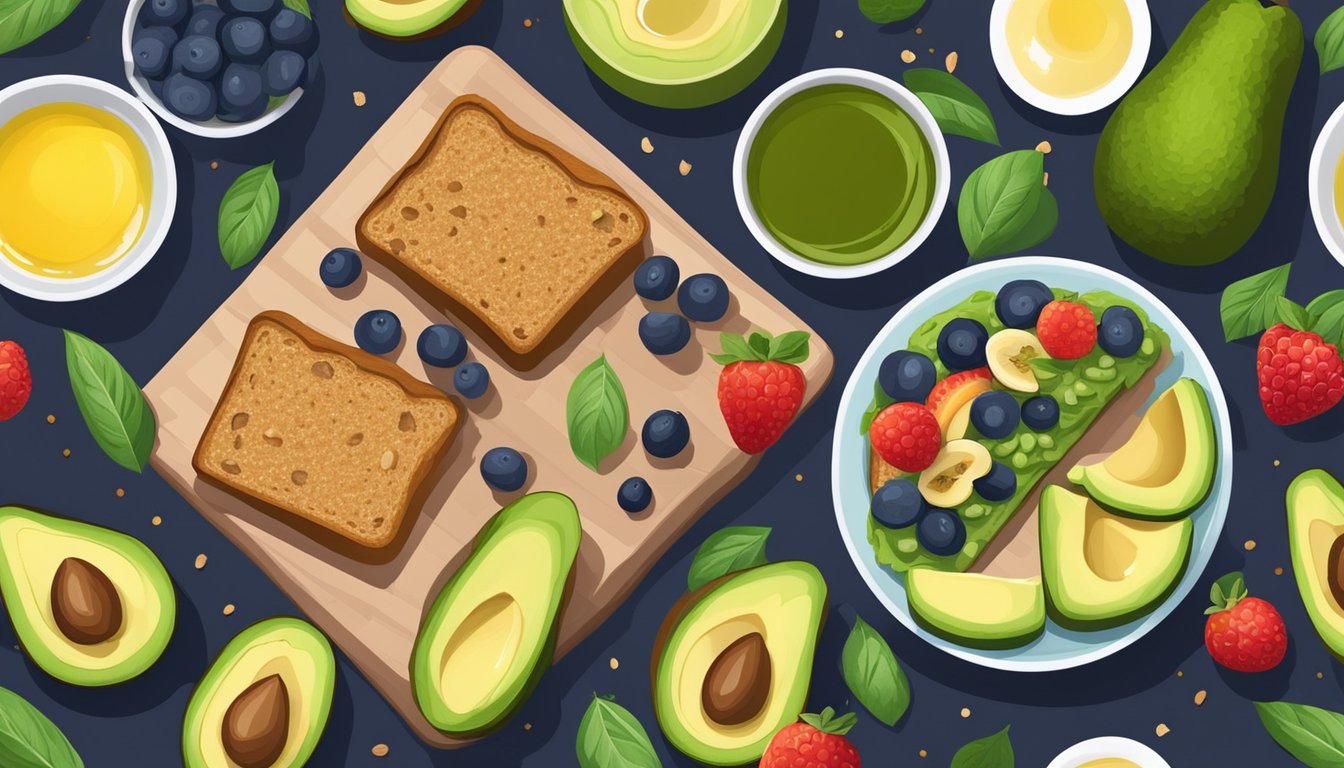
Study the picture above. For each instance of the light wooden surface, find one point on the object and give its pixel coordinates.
(372, 612)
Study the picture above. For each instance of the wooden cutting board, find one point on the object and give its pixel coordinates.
(372, 612)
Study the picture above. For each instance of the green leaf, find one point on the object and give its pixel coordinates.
(1226, 592)
(611, 737)
(791, 347)
(1292, 314)
(1323, 303)
(994, 751)
(999, 210)
(299, 5)
(735, 349)
(1312, 735)
(873, 674)
(247, 215)
(958, 109)
(760, 344)
(726, 551)
(597, 413)
(1039, 227)
(1250, 305)
(1330, 325)
(1330, 41)
(23, 21)
(29, 740)
(113, 407)
(887, 11)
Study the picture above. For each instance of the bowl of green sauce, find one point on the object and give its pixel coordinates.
(841, 173)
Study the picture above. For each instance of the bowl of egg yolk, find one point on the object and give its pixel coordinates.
(1109, 752)
(1325, 180)
(87, 187)
(1070, 57)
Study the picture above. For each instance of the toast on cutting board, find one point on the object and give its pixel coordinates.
(516, 237)
(326, 436)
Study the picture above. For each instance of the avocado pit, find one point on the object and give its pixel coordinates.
(737, 684)
(256, 724)
(1334, 569)
(85, 603)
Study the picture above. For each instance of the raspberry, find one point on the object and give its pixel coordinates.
(1300, 376)
(16, 381)
(1067, 330)
(906, 436)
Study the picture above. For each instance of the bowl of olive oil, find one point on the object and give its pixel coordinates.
(1325, 184)
(87, 187)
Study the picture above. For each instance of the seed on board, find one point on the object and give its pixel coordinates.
(1278, 571)
(1161, 730)
(527, 726)
(379, 750)
(646, 145)
(923, 753)
(200, 561)
(951, 62)
(1249, 545)
(1276, 462)
(66, 453)
(228, 609)
(121, 492)
(615, 663)
(908, 56)
(1200, 696)
(526, 23)
(389, 459)
(684, 168)
(965, 711)
(839, 33)
(51, 418)
(798, 477)
(360, 99)
(156, 520)
(1044, 148)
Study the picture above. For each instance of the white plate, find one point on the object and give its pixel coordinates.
(1108, 746)
(23, 96)
(1057, 648)
(1321, 183)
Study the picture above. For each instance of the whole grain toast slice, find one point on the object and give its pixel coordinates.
(322, 433)
(516, 237)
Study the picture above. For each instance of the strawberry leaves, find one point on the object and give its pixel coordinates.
(1226, 593)
(827, 721)
(1253, 304)
(761, 347)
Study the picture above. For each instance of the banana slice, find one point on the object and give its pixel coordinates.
(947, 483)
(1010, 352)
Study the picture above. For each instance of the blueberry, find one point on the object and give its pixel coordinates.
(907, 377)
(999, 485)
(703, 298)
(1040, 413)
(244, 40)
(292, 31)
(941, 532)
(656, 279)
(995, 414)
(241, 96)
(378, 331)
(634, 495)
(205, 20)
(198, 56)
(152, 50)
(666, 434)
(282, 73)
(664, 333)
(340, 267)
(1020, 302)
(504, 469)
(1121, 331)
(262, 9)
(471, 380)
(441, 345)
(188, 97)
(898, 504)
(961, 344)
(164, 13)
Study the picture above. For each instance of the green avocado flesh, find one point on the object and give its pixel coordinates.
(491, 632)
(976, 610)
(286, 650)
(1081, 387)
(402, 18)
(35, 549)
(776, 610)
(840, 175)
(1316, 543)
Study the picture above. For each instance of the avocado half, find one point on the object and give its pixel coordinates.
(740, 647)
(407, 18)
(977, 610)
(1316, 543)
(122, 607)
(491, 632)
(280, 672)
(677, 53)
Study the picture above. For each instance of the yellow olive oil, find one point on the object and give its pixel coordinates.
(1069, 48)
(1339, 189)
(1110, 762)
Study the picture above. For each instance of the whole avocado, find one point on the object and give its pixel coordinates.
(1186, 166)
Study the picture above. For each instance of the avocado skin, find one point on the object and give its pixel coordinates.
(1316, 596)
(1187, 164)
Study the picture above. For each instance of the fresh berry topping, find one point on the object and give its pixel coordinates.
(441, 345)
(16, 381)
(1066, 329)
(906, 436)
(340, 267)
(816, 742)
(471, 380)
(999, 485)
(1040, 413)
(941, 532)
(504, 469)
(1300, 375)
(1243, 633)
(995, 414)
(761, 386)
(634, 495)
(378, 331)
(1019, 302)
(898, 504)
(664, 333)
(1121, 331)
(956, 392)
(907, 376)
(961, 344)
(666, 433)
(703, 298)
(656, 279)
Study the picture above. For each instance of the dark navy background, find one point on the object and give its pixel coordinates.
(145, 321)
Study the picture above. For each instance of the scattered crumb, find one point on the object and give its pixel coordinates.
(1161, 730)
(51, 418)
(228, 609)
(1278, 571)
(908, 56)
(66, 453)
(1044, 148)
(798, 477)
(1276, 462)
(527, 22)
(200, 561)
(360, 100)
(951, 62)
(1200, 696)
(1179, 673)
(615, 663)
(646, 145)
(121, 492)
(923, 753)
(379, 750)
(527, 726)
(919, 30)
(931, 50)
(839, 33)
(965, 711)
(1320, 675)
(1249, 545)
(214, 165)
(684, 168)
(156, 520)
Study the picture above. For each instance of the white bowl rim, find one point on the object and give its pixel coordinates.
(214, 128)
(1321, 187)
(163, 173)
(904, 99)
(1072, 105)
(1109, 746)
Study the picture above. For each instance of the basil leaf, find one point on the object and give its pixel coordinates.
(958, 109)
(995, 751)
(299, 5)
(1039, 227)
(247, 215)
(887, 11)
(23, 21)
(789, 347)
(597, 413)
(1291, 314)
(29, 740)
(1318, 306)
(880, 400)
(873, 674)
(611, 737)
(1249, 305)
(1313, 735)
(998, 210)
(1330, 325)
(726, 551)
(113, 407)
(1330, 41)
(760, 345)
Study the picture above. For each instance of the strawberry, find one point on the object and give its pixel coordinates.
(1300, 375)
(816, 742)
(761, 386)
(906, 436)
(16, 381)
(1067, 330)
(1243, 633)
(956, 392)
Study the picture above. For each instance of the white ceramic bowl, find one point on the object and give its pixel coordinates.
(23, 96)
(1321, 184)
(1108, 746)
(904, 99)
(1074, 105)
(214, 128)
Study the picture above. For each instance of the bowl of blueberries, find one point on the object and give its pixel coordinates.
(219, 69)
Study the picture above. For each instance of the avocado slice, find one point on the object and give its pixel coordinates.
(977, 610)
(264, 701)
(91, 606)
(733, 661)
(490, 633)
(404, 18)
(1102, 570)
(676, 53)
(1316, 543)
(1166, 467)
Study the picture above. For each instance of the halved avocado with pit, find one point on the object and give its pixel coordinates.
(91, 606)
(406, 18)
(1316, 543)
(733, 661)
(977, 610)
(491, 632)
